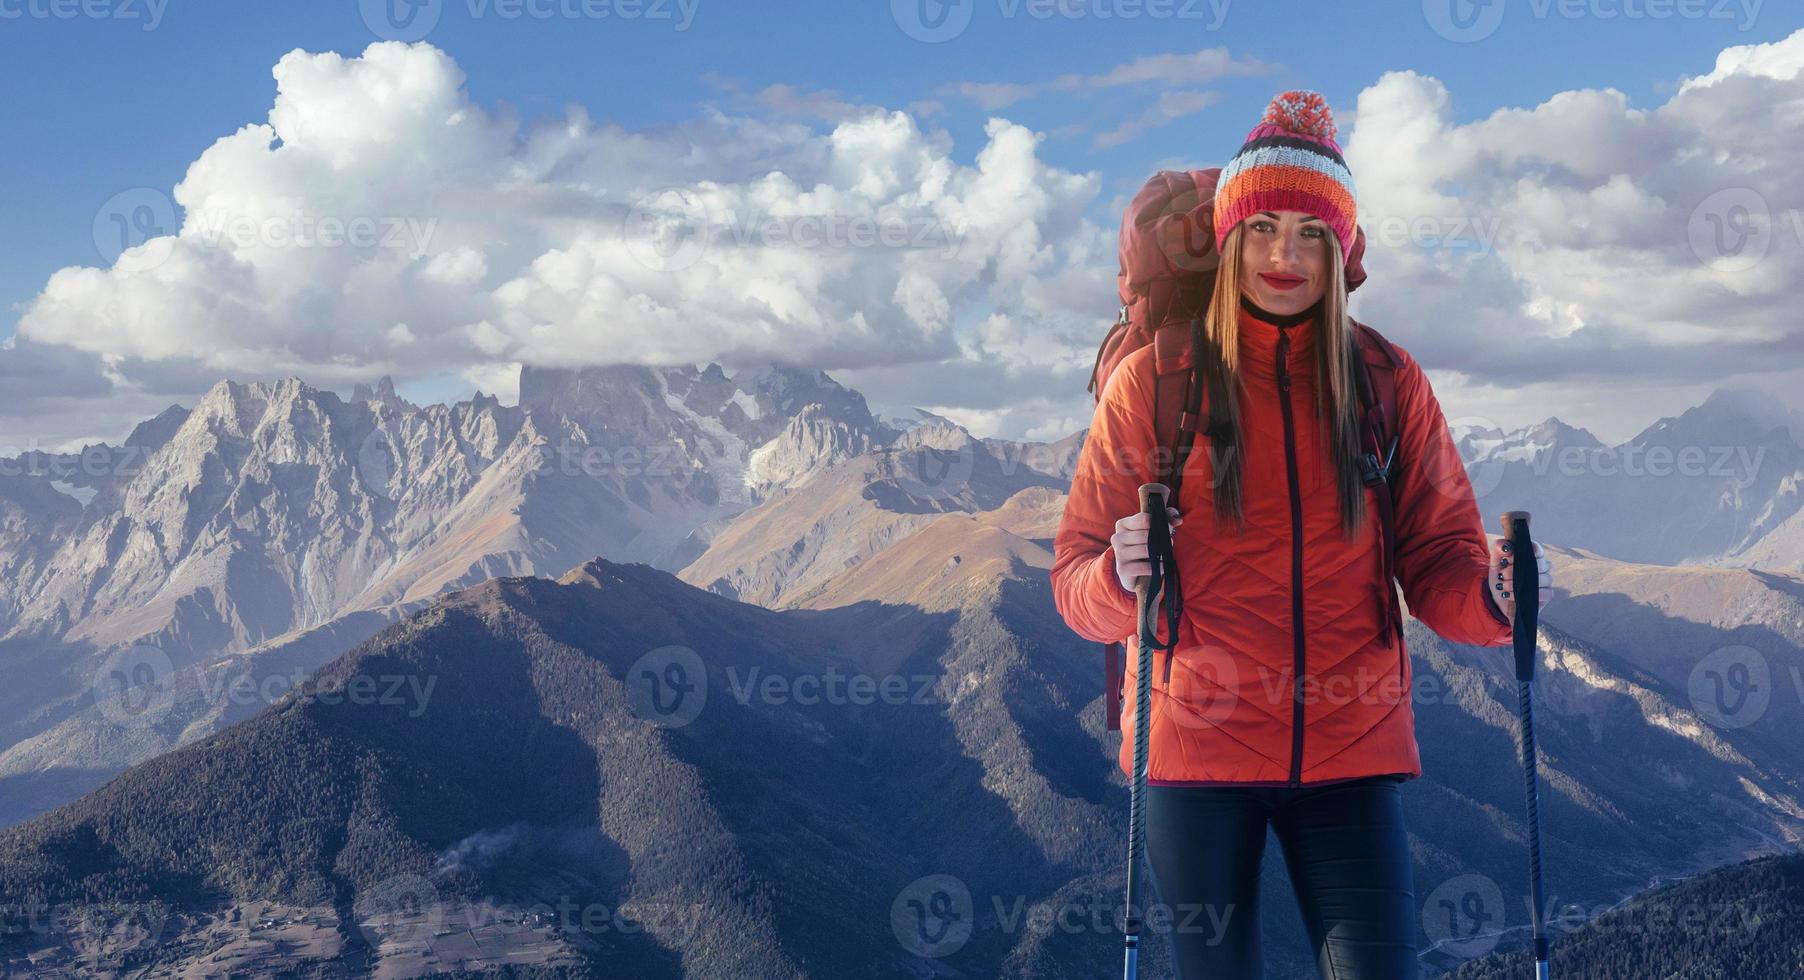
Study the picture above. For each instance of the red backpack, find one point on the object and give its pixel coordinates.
(1168, 261)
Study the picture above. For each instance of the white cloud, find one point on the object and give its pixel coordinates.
(1585, 246)
(1781, 60)
(499, 379)
(458, 267)
(1170, 106)
(1196, 67)
(567, 242)
(1581, 252)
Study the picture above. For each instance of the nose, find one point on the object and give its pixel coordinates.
(1284, 251)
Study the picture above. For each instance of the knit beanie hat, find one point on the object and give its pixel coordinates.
(1289, 162)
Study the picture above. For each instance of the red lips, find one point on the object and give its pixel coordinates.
(1281, 282)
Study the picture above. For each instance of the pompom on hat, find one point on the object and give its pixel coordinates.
(1290, 162)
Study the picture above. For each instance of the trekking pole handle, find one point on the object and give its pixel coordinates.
(1152, 501)
(1524, 604)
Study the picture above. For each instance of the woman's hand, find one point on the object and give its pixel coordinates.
(1502, 577)
(1132, 558)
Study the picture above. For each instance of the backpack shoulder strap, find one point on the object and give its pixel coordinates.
(1178, 410)
(1380, 435)
(1174, 361)
(1189, 398)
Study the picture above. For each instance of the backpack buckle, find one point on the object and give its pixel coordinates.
(1374, 473)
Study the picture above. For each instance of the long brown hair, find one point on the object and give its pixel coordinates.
(1335, 385)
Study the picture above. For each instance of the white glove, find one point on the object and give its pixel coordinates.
(1132, 559)
(1503, 574)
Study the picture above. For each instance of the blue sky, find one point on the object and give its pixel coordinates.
(101, 104)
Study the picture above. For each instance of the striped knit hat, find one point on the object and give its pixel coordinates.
(1289, 162)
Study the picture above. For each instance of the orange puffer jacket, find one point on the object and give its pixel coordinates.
(1283, 674)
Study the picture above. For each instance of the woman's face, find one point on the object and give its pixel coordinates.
(1284, 260)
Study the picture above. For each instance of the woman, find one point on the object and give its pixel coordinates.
(1287, 699)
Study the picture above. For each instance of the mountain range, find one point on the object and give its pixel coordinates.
(1720, 483)
(273, 525)
(520, 758)
(791, 538)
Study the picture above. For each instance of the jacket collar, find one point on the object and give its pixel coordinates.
(1259, 346)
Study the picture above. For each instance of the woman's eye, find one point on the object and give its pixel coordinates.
(1265, 226)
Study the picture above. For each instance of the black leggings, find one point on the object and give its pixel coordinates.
(1348, 857)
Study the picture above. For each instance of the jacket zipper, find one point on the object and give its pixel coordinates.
(1296, 561)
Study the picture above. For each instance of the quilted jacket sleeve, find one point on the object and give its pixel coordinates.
(1443, 555)
(1105, 487)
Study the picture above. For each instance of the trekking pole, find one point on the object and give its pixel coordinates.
(1146, 593)
(1523, 608)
